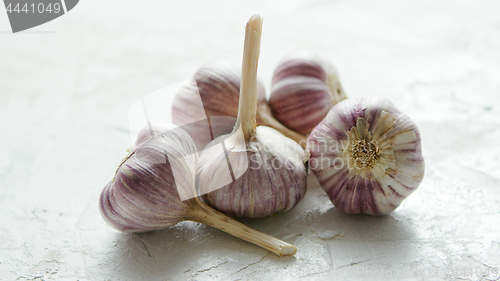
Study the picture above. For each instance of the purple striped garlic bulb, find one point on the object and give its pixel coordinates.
(216, 93)
(366, 155)
(254, 171)
(304, 88)
(154, 188)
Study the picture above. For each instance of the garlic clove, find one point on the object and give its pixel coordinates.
(274, 176)
(145, 194)
(367, 156)
(304, 88)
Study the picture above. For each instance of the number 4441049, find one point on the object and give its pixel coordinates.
(40, 8)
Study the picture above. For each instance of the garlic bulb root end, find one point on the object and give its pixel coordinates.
(367, 156)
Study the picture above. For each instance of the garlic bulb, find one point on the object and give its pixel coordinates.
(218, 86)
(304, 88)
(366, 155)
(255, 171)
(146, 192)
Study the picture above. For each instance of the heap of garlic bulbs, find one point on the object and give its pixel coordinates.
(365, 153)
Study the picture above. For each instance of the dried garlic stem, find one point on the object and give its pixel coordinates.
(202, 213)
(247, 107)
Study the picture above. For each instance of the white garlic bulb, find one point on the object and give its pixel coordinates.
(305, 87)
(254, 171)
(366, 155)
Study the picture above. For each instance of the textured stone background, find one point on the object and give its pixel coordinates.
(66, 87)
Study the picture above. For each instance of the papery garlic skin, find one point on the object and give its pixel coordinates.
(367, 156)
(274, 179)
(144, 193)
(304, 88)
